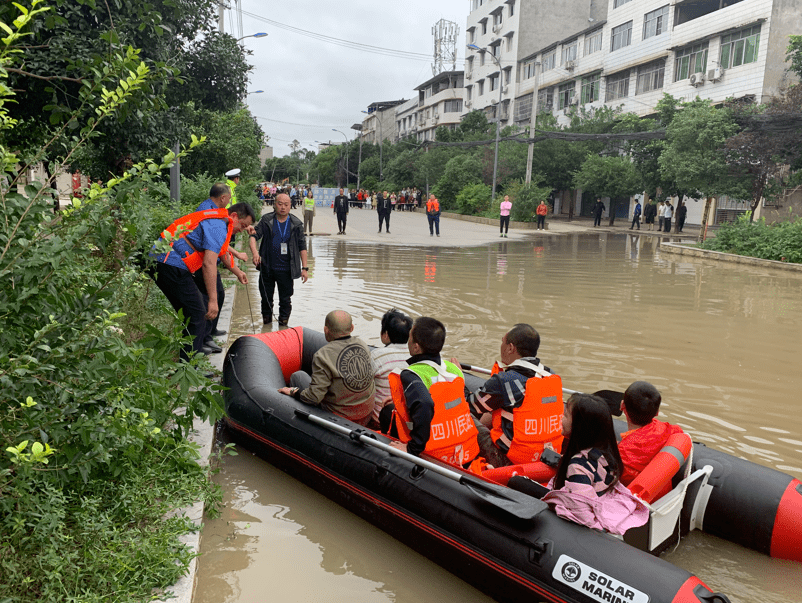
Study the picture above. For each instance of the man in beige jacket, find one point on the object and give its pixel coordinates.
(342, 373)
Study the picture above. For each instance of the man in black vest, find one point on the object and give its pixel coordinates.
(384, 207)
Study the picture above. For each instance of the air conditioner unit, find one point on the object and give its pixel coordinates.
(570, 65)
(468, 75)
(468, 103)
(496, 28)
(574, 100)
(504, 89)
(714, 75)
(697, 79)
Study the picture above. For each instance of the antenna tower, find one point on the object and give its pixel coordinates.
(445, 46)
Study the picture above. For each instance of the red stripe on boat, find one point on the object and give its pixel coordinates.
(288, 347)
(786, 538)
(690, 591)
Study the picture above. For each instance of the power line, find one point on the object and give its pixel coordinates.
(290, 123)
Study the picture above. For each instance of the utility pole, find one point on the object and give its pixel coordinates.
(221, 16)
(530, 155)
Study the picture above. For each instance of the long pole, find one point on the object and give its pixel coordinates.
(346, 153)
(381, 147)
(498, 127)
(359, 165)
(530, 155)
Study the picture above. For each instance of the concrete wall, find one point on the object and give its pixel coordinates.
(786, 19)
(789, 208)
(543, 22)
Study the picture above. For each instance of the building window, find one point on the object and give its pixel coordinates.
(566, 95)
(484, 26)
(452, 106)
(498, 18)
(468, 91)
(481, 85)
(508, 37)
(529, 70)
(593, 42)
(549, 60)
(690, 60)
(523, 109)
(512, 8)
(507, 75)
(655, 22)
(617, 86)
(569, 51)
(481, 58)
(591, 85)
(471, 36)
(618, 3)
(621, 36)
(493, 82)
(740, 47)
(496, 49)
(545, 99)
(650, 77)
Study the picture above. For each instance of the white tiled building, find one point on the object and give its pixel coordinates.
(714, 49)
(440, 103)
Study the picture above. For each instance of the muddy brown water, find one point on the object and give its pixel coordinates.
(721, 342)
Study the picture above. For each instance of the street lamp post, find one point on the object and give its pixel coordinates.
(498, 115)
(530, 155)
(346, 154)
(358, 128)
(381, 146)
(261, 34)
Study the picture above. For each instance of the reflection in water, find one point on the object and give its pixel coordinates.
(722, 343)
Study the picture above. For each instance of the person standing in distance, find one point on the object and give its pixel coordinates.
(309, 210)
(384, 207)
(504, 211)
(281, 258)
(232, 180)
(341, 203)
(598, 210)
(541, 211)
(636, 216)
(433, 213)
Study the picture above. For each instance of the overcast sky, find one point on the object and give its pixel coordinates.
(322, 84)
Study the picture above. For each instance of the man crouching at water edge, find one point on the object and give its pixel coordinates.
(342, 373)
(429, 412)
(525, 414)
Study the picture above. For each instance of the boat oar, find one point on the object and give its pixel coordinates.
(510, 501)
(612, 397)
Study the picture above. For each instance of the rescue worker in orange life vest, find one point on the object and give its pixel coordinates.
(523, 403)
(429, 409)
(206, 238)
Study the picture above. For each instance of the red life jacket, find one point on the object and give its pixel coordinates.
(537, 421)
(453, 434)
(188, 223)
(432, 206)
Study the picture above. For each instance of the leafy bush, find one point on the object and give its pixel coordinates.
(525, 199)
(474, 200)
(781, 241)
(95, 411)
(459, 172)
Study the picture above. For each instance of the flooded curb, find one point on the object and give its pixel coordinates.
(203, 435)
(707, 254)
(493, 221)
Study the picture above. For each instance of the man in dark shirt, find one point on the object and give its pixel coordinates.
(384, 207)
(281, 258)
(341, 210)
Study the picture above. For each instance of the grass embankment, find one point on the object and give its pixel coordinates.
(781, 241)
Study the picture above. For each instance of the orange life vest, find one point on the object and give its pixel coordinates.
(453, 434)
(194, 260)
(537, 421)
(432, 206)
(654, 481)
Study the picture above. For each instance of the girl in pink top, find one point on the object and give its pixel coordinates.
(506, 206)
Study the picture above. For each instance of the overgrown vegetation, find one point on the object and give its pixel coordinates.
(95, 410)
(781, 241)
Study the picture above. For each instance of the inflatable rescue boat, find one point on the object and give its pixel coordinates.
(502, 541)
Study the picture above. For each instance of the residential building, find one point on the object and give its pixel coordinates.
(440, 103)
(379, 123)
(406, 117)
(713, 49)
(500, 29)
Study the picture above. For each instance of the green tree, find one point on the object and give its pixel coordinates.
(473, 200)
(459, 172)
(608, 176)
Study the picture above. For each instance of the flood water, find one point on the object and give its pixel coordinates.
(721, 342)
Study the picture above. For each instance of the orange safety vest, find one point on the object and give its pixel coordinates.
(432, 206)
(194, 260)
(537, 421)
(453, 434)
